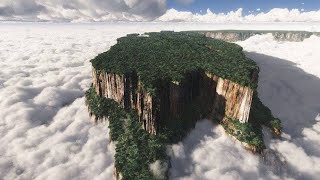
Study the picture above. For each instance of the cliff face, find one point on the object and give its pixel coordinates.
(233, 36)
(237, 99)
(153, 89)
(216, 96)
(229, 36)
(127, 91)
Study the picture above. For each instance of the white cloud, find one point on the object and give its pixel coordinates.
(45, 130)
(207, 153)
(174, 15)
(274, 15)
(159, 168)
(291, 93)
(288, 83)
(136, 10)
(81, 10)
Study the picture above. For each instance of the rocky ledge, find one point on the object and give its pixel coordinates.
(241, 35)
(156, 86)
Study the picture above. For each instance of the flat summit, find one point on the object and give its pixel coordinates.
(154, 87)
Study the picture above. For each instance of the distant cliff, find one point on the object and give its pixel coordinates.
(241, 35)
(153, 89)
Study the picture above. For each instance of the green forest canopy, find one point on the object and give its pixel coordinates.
(170, 55)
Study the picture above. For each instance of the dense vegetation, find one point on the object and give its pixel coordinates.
(159, 58)
(251, 132)
(135, 148)
(245, 132)
(170, 55)
(260, 114)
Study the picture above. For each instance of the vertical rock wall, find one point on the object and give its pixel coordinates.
(222, 97)
(128, 92)
(237, 99)
(232, 36)
(109, 85)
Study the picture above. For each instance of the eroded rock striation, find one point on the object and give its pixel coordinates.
(241, 35)
(223, 97)
(153, 88)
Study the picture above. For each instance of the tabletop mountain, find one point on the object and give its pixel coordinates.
(152, 88)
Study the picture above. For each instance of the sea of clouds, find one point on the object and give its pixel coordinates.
(46, 133)
(289, 84)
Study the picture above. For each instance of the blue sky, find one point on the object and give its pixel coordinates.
(247, 5)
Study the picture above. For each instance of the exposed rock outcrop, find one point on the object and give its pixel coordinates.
(127, 91)
(220, 96)
(237, 99)
(170, 80)
(154, 88)
(229, 36)
(241, 35)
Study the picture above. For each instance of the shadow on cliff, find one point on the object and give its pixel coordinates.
(292, 94)
(181, 155)
(198, 122)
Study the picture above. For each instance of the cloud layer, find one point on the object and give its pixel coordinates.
(45, 131)
(207, 153)
(81, 10)
(274, 15)
(135, 10)
(289, 84)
